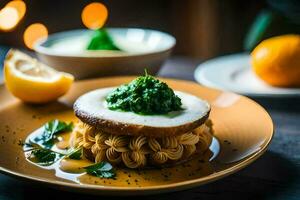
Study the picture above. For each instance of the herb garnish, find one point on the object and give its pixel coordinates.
(102, 170)
(51, 129)
(40, 150)
(40, 146)
(101, 40)
(42, 156)
(45, 157)
(144, 95)
(76, 154)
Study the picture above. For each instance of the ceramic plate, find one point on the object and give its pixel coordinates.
(233, 73)
(243, 130)
(1, 76)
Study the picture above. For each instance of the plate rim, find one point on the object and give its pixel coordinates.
(203, 81)
(85, 188)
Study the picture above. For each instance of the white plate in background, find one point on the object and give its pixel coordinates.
(1, 75)
(233, 73)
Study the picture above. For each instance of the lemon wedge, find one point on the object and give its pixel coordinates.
(32, 81)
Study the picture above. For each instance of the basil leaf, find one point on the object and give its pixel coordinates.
(102, 170)
(75, 154)
(47, 138)
(101, 40)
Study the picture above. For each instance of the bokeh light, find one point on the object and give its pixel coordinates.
(11, 14)
(33, 33)
(19, 5)
(94, 15)
(9, 18)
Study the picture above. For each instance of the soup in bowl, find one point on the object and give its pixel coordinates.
(139, 49)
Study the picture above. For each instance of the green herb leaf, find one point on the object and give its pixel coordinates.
(102, 170)
(258, 29)
(145, 95)
(42, 156)
(101, 40)
(52, 128)
(76, 154)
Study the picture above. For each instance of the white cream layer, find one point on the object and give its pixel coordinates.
(94, 104)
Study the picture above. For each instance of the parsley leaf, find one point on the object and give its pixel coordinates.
(42, 156)
(47, 138)
(101, 40)
(102, 170)
(75, 154)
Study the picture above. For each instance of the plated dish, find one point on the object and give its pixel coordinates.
(234, 73)
(144, 150)
(142, 124)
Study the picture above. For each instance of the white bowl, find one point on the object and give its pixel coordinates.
(143, 49)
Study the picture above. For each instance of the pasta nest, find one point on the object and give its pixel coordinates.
(137, 151)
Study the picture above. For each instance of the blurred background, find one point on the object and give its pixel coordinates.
(203, 28)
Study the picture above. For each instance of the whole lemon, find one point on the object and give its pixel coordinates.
(277, 61)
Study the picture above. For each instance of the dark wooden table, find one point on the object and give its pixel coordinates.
(276, 175)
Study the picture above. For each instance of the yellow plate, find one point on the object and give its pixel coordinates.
(243, 130)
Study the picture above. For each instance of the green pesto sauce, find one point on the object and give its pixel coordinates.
(144, 95)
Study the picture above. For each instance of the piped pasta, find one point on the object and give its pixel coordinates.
(140, 151)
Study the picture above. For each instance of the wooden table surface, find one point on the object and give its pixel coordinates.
(276, 175)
